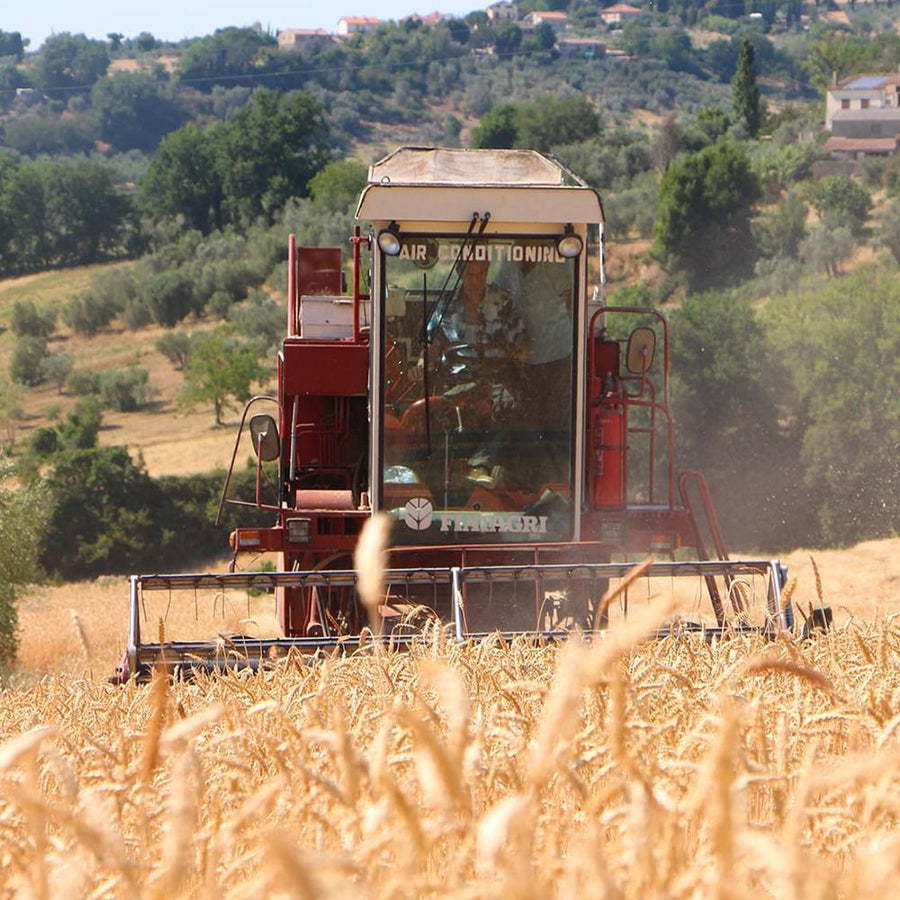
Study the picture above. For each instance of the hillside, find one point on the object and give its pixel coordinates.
(170, 440)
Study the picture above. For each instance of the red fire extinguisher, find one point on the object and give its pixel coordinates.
(607, 429)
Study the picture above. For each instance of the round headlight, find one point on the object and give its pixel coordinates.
(569, 245)
(389, 242)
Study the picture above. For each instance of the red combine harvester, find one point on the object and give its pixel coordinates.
(516, 430)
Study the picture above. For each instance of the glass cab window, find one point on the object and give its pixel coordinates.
(477, 390)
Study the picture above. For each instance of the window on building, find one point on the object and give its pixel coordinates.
(845, 103)
(864, 103)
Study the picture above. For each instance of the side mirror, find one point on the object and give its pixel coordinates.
(265, 437)
(641, 347)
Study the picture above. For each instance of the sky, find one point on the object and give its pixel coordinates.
(176, 19)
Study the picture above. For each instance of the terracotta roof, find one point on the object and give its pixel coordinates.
(861, 145)
(621, 8)
(360, 20)
(544, 14)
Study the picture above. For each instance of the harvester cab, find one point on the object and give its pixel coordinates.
(477, 390)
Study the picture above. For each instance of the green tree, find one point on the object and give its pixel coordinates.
(125, 390)
(498, 128)
(238, 171)
(560, 120)
(889, 233)
(783, 230)
(26, 365)
(840, 201)
(183, 180)
(27, 319)
(703, 225)
(269, 152)
(22, 516)
(135, 110)
(64, 213)
(11, 44)
(220, 372)
(673, 47)
(56, 368)
(169, 296)
(227, 54)
(826, 247)
(544, 36)
(11, 410)
(70, 61)
(745, 93)
(82, 425)
(175, 346)
(830, 60)
(102, 514)
(724, 406)
(507, 38)
(829, 338)
(338, 185)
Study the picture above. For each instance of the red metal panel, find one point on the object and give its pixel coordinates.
(607, 475)
(319, 270)
(325, 369)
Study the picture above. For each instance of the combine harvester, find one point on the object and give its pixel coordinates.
(517, 432)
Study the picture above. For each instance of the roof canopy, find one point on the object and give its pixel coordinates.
(440, 184)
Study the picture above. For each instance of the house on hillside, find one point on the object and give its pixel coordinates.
(431, 19)
(863, 116)
(297, 38)
(504, 11)
(348, 25)
(558, 21)
(589, 48)
(620, 13)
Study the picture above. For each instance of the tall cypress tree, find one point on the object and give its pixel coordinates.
(745, 93)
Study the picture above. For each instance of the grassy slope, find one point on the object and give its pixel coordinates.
(171, 441)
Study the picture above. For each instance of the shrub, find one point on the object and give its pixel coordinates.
(88, 313)
(840, 201)
(82, 426)
(136, 314)
(44, 441)
(261, 320)
(56, 368)
(219, 303)
(102, 514)
(175, 346)
(28, 320)
(83, 381)
(125, 389)
(169, 297)
(26, 365)
(22, 514)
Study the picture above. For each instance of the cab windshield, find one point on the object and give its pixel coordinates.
(477, 389)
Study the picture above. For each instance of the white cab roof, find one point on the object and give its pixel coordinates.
(431, 184)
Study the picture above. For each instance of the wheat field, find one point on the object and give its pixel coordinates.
(674, 768)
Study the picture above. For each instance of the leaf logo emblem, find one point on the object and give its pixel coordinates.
(418, 513)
